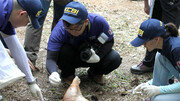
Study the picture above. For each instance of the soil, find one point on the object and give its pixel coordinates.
(124, 17)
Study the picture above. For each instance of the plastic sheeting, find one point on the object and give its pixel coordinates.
(9, 72)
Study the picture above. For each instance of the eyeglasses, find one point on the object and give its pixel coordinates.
(75, 27)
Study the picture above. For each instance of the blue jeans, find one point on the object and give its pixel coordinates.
(163, 69)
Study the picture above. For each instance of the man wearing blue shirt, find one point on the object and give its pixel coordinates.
(13, 14)
(81, 39)
(33, 36)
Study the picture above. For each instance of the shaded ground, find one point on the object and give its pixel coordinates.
(124, 17)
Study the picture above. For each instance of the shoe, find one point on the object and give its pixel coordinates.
(68, 80)
(140, 69)
(99, 79)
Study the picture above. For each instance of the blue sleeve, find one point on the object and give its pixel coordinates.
(9, 29)
(174, 88)
(56, 38)
(46, 5)
(51, 59)
(104, 26)
(176, 57)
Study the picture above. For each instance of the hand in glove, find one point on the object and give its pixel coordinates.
(151, 90)
(54, 79)
(138, 89)
(94, 57)
(36, 91)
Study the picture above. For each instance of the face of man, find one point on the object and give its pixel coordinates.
(76, 29)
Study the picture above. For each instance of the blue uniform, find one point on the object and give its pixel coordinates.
(166, 65)
(171, 50)
(6, 7)
(97, 25)
(64, 48)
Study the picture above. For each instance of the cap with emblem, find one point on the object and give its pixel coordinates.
(34, 8)
(74, 12)
(148, 30)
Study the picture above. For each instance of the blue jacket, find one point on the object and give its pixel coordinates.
(171, 50)
(97, 25)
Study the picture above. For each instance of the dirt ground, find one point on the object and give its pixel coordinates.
(124, 17)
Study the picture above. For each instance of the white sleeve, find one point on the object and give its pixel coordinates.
(19, 56)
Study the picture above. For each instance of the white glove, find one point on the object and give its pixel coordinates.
(54, 79)
(151, 90)
(138, 89)
(94, 58)
(36, 91)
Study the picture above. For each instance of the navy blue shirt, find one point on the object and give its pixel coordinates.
(97, 25)
(171, 50)
(6, 7)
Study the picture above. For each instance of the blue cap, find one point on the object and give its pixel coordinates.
(34, 8)
(148, 30)
(74, 12)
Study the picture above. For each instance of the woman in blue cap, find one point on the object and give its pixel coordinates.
(153, 34)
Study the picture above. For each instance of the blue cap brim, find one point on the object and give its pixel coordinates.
(35, 23)
(70, 19)
(138, 42)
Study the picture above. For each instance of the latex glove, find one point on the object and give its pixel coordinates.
(151, 90)
(36, 91)
(54, 79)
(138, 89)
(94, 58)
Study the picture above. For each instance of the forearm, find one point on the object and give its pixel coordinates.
(20, 56)
(146, 7)
(105, 48)
(174, 88)
(51, 61)
(146, 3)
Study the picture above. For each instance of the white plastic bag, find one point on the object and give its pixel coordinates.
(9, 72)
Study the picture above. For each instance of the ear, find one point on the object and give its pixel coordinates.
(157, 39)
(22, 13)
(86, 22)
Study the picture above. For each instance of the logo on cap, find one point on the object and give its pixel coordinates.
(71, 10)
(160, 23)
(38, 13)
(140, 32)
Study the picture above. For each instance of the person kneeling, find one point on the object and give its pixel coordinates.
(81, 39)
(153, 34)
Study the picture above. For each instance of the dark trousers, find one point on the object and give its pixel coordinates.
(161, 12)
(149, 58)
(69, 60)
